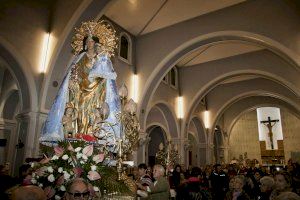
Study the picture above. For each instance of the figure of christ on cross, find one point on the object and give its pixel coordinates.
(269, 125)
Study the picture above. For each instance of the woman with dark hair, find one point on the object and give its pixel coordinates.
(176, 177)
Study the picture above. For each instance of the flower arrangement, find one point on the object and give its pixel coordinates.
(70, 160)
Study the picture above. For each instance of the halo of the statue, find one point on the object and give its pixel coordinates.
(105, 33)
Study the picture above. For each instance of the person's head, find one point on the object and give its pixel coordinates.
(218, 167)
(142, 169)
(24, 170)
(158, 171)
(283, 181)
(89, 42)
(238, 183)
(30, 192)
(287, 196)
(257, 175)
(266, 184)
(178, 168)
(77, 189)
(196, 171)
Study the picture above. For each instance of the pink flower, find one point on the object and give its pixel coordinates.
(49, 191)
(59, 151)
(98, 158)
(93, 175)
(70, 147)
(41, 171)
(88, 150)
(77, 171)
(27, 180)
(60, 180)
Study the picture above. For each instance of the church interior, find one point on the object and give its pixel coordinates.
(216, 80)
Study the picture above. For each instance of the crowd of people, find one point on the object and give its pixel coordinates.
(216, 182)
(223, 182)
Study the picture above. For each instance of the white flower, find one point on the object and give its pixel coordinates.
(82, 162)
(96, 189)
(62, 188)
(33, 181)
(32, 164)
(67, 176)
(55, 157)
(41, 185)
(93, 168)
(33, 174)
(79, 155)
(84, 157)
(50, 169)
(65, 157)
(77, 149)
(51, 178)
(60, 170)
(57, 197)
(71, 172)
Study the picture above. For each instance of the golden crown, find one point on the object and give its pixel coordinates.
(104, 32)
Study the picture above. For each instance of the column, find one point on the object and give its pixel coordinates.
(202, 154)
(142, 153)
(29, 130)
(210, 153)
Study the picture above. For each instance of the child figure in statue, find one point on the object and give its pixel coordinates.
(68, 122)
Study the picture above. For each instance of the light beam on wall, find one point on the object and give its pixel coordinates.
(180, 112)
(44, 53)
(135, 87)
(206, 119)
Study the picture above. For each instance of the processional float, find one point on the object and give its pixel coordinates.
(92, 126)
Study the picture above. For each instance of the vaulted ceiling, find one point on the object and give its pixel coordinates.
(157, 14)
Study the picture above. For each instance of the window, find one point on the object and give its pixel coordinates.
(174, 77)
(125, 48)
(166, 78)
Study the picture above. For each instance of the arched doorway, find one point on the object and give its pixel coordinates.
(157, 135)
(9, 107)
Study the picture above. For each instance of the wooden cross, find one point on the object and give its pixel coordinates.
(268, 124)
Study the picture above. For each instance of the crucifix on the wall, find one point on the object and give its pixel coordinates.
(269, 124)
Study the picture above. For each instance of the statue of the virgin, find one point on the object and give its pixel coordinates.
(89, 88)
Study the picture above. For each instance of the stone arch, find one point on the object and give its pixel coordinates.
(251, 108)
(10, 105)
(201, 132)
(167, 114)
(212, 84)
(174, 56)
(11, 59)
(249, 94)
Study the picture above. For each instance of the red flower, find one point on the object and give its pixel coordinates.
(60, 180)
(77, 171)
(59, 151)
(49, 191)
(89, 138)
